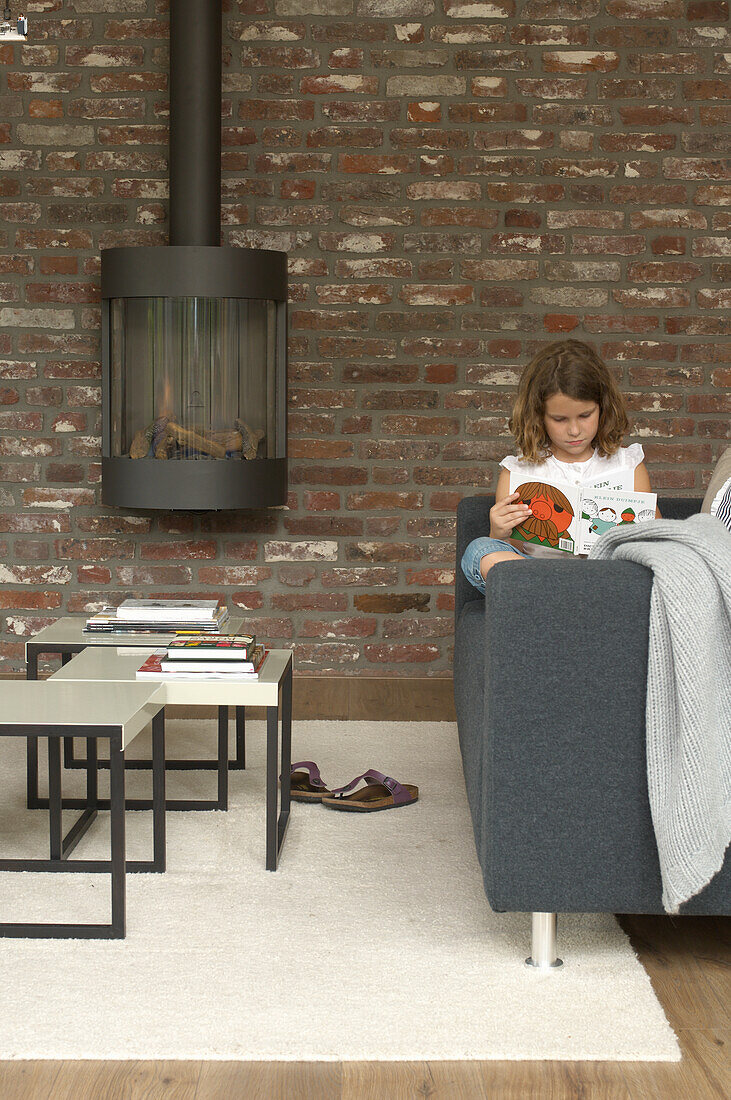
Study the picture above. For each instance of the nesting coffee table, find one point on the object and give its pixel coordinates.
(116, 665)
(117, 712)
(67, 637)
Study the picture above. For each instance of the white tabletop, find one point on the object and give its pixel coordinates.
(126, 706)
(121, 664)
(70, 631)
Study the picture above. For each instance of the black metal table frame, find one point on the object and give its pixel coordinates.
(222, 764)
(276, 823)
(61, 846)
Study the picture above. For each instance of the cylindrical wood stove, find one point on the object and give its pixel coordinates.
(194, 335)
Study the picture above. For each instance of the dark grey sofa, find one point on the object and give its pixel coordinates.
(550, 672)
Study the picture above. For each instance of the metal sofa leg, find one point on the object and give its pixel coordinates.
(543, 942)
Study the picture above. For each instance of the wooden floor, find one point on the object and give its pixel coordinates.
(688, 960)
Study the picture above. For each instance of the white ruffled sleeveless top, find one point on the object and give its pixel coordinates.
(578, 473)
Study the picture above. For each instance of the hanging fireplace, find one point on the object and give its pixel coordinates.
(194, 335)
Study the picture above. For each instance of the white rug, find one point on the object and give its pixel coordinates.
(373, 940)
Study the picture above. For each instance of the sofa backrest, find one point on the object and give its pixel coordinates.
(473, 520)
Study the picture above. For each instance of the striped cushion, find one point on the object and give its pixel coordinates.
(721, 504)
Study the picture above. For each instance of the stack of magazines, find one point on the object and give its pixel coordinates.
(159, 617)
(235, 658)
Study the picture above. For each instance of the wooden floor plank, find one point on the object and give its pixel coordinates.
(683, 988)
(126, 1080)
(703, 1074)
(600, 1079)
(461, 1080)
(521, 1080)
(269, 1081)
(709, 941)
(27, 1080)
(395, 1080)
(712, 1051)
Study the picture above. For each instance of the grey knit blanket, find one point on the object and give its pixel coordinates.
(688, 693)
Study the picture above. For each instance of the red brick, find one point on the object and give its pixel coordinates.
(332, 84)
(326, 656)
(194, 550)
(709, 403)
(668, 246)
(431, 627)
(657, 297)
(30, 601)
(663, 272)
(338, 628)
(707, 11)
(706, 89)
(641, 323)
(440, 373)
(411, 654)
(560, 322)
(714, 299)
(320, 601)
(328, 475)
(379, 500)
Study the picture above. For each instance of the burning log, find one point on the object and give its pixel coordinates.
(146, 439)
(160, 440)
(163, 436)
(141, 443)
(232, 440)
(186, 437)
(163, 448)
(251, 438)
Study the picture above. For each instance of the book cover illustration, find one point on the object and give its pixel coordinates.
(601, 510)
(234, 647)
(553, 522)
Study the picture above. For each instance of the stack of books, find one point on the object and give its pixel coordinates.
(235, 658)
(159, 617)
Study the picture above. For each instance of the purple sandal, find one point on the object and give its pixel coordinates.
(307, 785)
(383, 793)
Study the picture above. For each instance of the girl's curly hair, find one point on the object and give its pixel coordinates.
(573, 368)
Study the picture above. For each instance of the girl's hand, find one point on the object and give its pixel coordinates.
(507, 513)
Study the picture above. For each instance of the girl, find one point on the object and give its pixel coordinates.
(568, 421)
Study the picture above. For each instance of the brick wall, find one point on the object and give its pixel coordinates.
(455, 181)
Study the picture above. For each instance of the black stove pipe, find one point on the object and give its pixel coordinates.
(195, 122)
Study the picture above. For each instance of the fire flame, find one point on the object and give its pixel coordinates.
(166, 401)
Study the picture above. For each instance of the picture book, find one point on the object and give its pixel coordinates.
(153, 669)
(570, 518)
(234, 648)
(170, 610)
(224, 667)
(106, 625)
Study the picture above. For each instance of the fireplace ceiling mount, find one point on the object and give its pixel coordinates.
(194, 335)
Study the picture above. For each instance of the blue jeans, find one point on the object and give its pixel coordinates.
(476, 551)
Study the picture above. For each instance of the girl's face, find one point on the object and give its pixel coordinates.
(570, 426)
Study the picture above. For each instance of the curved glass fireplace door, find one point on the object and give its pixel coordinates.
(194, 378)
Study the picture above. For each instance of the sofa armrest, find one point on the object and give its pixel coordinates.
(473, 520)
(565, 822)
